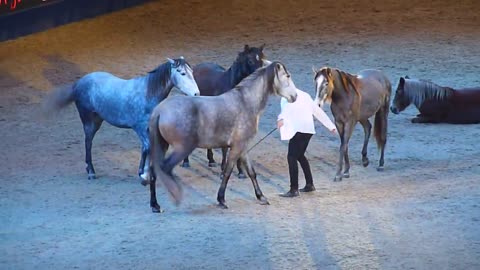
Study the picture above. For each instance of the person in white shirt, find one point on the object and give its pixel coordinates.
(295, 123)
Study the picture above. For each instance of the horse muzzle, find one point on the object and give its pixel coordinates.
(394, 110)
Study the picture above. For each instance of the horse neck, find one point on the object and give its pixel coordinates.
(340, 93)
(234, 75)
(256, 100)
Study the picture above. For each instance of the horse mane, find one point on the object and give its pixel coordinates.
(418, 91)
(158, 78)
(348, 81)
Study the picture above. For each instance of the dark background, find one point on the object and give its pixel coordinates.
(30, 16)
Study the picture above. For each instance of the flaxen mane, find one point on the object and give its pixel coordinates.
(348, 80)
(418, 91)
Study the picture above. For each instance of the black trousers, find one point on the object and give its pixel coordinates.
(296, 152)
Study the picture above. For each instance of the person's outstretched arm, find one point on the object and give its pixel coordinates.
(323, 118)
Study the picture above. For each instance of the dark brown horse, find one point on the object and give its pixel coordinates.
(214, 80)
(229, 120)
(355, 98)
(437, 104)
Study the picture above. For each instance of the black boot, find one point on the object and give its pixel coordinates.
(291, 193)
(308, 188)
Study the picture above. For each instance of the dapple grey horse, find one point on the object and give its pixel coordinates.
(101, 96)
(229, 120)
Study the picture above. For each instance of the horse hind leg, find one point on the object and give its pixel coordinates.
(91, 124)
(166, 173)
(367, 128)
(380, 132)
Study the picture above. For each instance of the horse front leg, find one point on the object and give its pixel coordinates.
(211, 160)
(186, 163)
(153, 195)
(144, 165)
(424, 119)
(348, 130)
(233, 156)
(244, 162)
(341, 133)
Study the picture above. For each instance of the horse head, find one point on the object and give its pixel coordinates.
(323, 85)
(251, 59)
(401, 100)
(282, 83)
(181, 76)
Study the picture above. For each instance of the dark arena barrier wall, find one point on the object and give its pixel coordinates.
(23, 17)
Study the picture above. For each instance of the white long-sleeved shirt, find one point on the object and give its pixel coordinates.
(297, 116)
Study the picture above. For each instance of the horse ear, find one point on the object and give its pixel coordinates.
(262, 47)
(402, 81)
(314, 70)
(406, 77)
(170, 61)
(246, 48)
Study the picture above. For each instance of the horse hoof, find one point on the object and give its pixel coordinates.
(212, 164)
(365, 163)
(337, 179)
(186, 165)
(242, 176)
(222, 205)
(263, 201)
(145, 182)
(91, 176)
(157, 209)
(380, 169)
(346, 175)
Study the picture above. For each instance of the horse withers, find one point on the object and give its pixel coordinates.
(437, 104)
(214, 80)
(355, 98)
(101, 96)
(228, 120)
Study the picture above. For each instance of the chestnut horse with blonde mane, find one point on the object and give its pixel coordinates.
(355, 98)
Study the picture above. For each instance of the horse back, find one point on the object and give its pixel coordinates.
(207, 76)
(375, 90)
(466, 97)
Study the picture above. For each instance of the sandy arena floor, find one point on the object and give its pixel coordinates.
(423, 212)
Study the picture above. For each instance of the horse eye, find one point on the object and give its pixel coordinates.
(183, 73)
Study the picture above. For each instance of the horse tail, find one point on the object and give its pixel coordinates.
(157, 154)
(59, 99)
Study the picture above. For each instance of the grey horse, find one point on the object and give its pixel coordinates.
(355, 98)
(229, 120)
(101, 96)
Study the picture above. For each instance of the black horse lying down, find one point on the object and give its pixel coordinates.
(437, 104)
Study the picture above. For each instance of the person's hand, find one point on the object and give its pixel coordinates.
(280, 123)
(333, 131)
